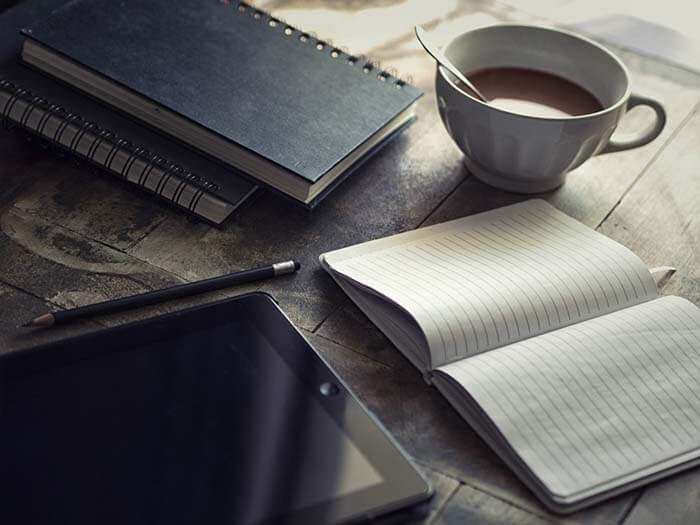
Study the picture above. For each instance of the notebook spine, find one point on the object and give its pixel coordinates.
(69, 133)
(364, 64)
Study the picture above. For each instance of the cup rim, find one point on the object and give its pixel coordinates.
(613, 107)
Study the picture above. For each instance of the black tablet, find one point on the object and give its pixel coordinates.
(220, 414)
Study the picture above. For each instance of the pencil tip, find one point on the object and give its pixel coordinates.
(42, 320)
(297, 265)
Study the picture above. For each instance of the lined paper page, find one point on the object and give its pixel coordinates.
(598, 401)
(490, 279)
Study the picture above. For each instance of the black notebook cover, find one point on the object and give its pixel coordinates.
(230, 186)
(275, 91)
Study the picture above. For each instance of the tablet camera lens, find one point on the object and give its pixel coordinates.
(328, 389)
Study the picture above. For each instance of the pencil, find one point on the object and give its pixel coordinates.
(166, 294)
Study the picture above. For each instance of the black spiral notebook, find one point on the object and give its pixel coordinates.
(85, 129)
(232, 81)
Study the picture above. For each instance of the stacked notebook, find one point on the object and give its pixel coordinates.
(47, 110)
(549, 338)
(232, 82)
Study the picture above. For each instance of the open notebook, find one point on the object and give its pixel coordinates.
(549, 338)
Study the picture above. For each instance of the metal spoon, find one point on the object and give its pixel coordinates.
(441, 59)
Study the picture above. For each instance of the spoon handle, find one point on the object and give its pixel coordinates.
(445, 62)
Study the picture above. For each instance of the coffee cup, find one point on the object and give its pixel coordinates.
(529, 153)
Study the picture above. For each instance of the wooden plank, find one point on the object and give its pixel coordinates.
(444, 486)
(92, 204)
(66, 269)
(660, 221)
(364, 26)
(471, 505)
(350, 327)
(672, 501)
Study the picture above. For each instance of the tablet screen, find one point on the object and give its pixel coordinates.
(206, 426)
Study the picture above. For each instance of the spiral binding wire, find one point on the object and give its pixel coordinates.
(116, 143)
(198, 185)
(366, 65)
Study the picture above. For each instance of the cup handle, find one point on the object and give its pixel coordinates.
(647, 136)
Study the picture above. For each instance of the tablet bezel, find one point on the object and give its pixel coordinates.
(402, 484)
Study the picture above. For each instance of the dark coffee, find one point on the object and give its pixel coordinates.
(534, 93)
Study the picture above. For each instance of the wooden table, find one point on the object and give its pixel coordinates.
(69, 238)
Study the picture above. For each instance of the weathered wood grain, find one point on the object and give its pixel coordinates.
(675, 500)
(90, 203)
(470, 505)
(659, 219)
(444, 486)
(351, 328)
(64, 268)
(363, 26)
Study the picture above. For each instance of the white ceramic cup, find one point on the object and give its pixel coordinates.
(527, 154)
